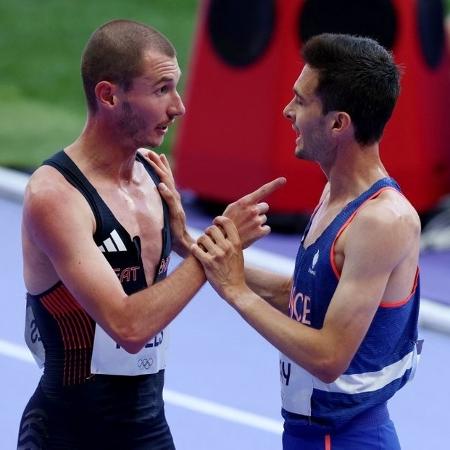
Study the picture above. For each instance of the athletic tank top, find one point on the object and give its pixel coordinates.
(386, 358)
(61, 335)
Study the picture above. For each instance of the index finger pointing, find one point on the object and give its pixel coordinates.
(264, 190)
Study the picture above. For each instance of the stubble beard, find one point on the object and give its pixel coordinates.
(132, 127)
(302, 153)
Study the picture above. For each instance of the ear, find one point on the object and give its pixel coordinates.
(341, 121)
(105, 92)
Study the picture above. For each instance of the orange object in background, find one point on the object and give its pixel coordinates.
(245, 61)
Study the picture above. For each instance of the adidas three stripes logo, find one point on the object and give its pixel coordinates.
(113, 244)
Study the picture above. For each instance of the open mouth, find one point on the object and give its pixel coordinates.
(298, 134)
(162, 128)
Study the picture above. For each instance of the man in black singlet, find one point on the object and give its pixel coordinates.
(100, 219)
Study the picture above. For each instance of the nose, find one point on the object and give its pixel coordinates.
(177, 108)
(287, 112)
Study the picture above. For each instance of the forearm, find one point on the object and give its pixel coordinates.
(272, 287)
(156, 306)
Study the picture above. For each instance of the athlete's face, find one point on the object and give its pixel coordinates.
(152, 104)
(305, 113)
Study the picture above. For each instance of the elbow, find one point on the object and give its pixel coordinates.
(329, 370)
(132, 333)
(327, 377)
(131, 347)
(128, 331)
(133, 339)
(130, 339)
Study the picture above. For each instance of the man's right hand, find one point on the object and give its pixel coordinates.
(181, 239)
(249, 212)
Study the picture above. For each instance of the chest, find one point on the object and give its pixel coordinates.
(139, 211)
(324, 232)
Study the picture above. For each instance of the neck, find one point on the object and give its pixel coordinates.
(99, 152)
(353, 171)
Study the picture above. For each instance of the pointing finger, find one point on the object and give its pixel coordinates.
(264, 190)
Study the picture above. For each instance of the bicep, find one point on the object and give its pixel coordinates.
(353, 307)
(368, 264)
(88, 276)
(63, 231)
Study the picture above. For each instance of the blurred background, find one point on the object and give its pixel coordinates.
(41, 101)
(239, 61)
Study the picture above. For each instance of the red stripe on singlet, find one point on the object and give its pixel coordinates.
(49, 302)
(398, 303)
(76, 330)
(66, 308)
(327, 442)
(60, 314)
(84, 328)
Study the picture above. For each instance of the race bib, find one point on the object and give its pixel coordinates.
(108, 358)
(296, 387)
(33, 337)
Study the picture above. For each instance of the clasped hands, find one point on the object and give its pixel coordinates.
(219, 249)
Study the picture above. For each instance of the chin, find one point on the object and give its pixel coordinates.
(154, 143)
(300, 153)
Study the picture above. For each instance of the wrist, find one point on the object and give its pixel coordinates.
(183, 246)
(240, 297)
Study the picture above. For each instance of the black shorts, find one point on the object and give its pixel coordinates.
(99, 416)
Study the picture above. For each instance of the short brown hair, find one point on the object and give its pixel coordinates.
(114, 53)
(356, 75)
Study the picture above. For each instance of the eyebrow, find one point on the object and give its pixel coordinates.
(164, 79)
(297, 93)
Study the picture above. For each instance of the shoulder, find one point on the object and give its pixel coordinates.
(390, 211)
(50, 200)
(44, 180)
(386, 227)
(48, 188)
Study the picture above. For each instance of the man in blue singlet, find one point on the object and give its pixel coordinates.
(98, 229)
(346, 322)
